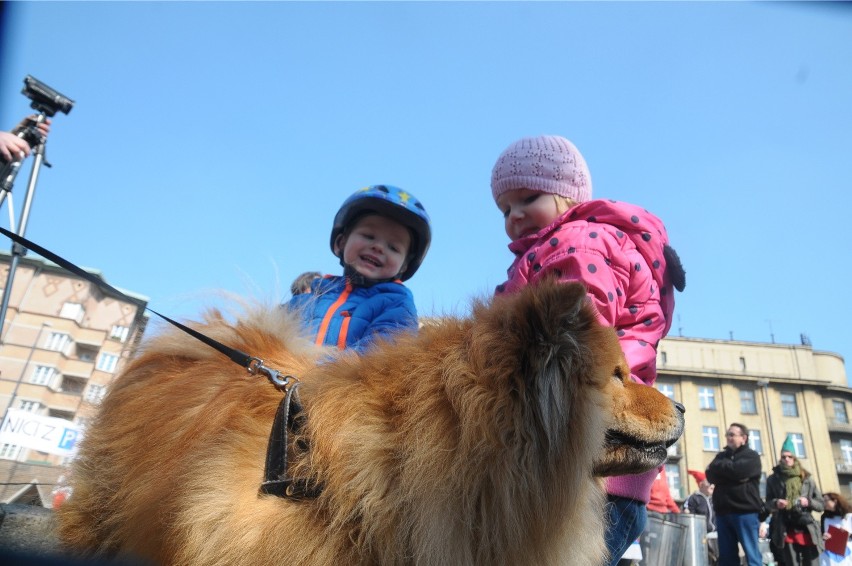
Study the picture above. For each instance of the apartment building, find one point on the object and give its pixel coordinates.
(63, 339)
(775, 390)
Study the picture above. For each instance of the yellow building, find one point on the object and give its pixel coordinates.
(775, 390)
(63, 339)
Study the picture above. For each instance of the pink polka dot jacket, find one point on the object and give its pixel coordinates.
(620, 252)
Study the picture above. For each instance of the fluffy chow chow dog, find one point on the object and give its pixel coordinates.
(477, 441)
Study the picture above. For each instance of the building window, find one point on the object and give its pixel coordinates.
(664, 358)
(840, 415)
(74, 311)
(9, 451)
(846, 451)
(673, 477)
(710, 434)
(58, 342)
(30, 406)
(666, 389)
(119, 333)
(798, 441)
(673, 451)
(747, 404)
(754, 440)
(706, 399)
(43, 375)
(107, 362)
(788, 405)
(95, 393)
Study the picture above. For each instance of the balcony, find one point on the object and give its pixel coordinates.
(838, 425)
(78, 368)
(844, 468)
(61, 400)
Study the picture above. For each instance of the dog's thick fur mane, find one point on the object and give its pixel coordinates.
(474, 441)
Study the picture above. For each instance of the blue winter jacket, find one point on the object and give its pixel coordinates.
(336, 313)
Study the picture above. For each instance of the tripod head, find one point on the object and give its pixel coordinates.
(29, 131)
(45, 99)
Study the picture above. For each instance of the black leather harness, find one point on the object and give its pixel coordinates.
(289, 419)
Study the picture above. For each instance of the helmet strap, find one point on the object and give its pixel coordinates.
(358, 279)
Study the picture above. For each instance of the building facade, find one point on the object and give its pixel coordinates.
(63, 339)
(775, 390)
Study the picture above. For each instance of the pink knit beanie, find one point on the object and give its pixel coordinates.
(550, 164)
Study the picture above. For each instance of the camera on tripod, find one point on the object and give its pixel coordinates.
(45, 99)
(47, 102)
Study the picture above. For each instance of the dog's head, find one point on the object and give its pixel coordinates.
(552, 347)
(644, 424)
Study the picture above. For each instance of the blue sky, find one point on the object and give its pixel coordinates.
(211, 142)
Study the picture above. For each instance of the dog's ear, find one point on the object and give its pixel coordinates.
(552, 312)
(546, 341)
(544, 327)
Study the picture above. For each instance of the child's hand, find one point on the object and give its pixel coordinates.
(826, 536)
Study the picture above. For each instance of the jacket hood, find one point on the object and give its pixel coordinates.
(644, 229)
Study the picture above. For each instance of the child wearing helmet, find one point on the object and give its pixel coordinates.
(621, 253)
(381, 235)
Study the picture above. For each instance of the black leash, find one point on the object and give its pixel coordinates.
(276, 481)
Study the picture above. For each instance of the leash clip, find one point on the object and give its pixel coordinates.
(281, 382)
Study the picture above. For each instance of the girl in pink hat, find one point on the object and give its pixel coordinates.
(619, 251)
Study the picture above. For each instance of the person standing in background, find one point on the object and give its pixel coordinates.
(735, 471)
(791, 496)
(701, 501)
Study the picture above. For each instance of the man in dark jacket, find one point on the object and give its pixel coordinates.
(735, 471)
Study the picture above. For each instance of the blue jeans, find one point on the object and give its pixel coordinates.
(740, 528)
(625, 522)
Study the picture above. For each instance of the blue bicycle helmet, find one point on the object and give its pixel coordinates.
(393, 203)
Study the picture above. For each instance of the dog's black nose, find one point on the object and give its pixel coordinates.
(680, 407)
